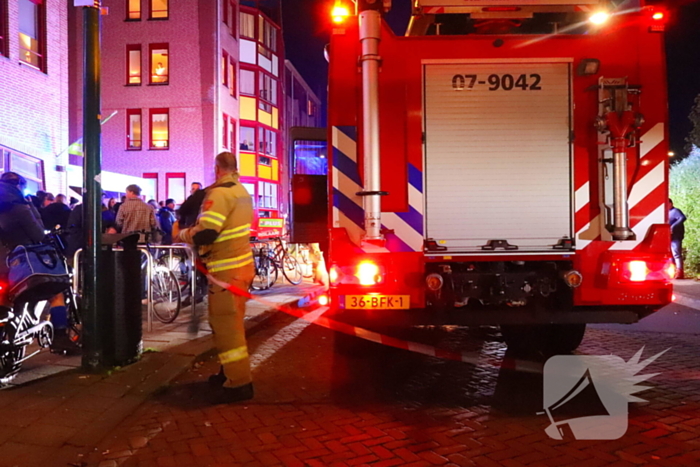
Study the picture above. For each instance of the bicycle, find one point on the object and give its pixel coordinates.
(291, 269)
(178, 261)
(266, 271)
(165, 285)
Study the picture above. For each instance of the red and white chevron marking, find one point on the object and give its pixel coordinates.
(647, 204)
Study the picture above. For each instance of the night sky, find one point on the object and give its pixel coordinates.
(307, 29)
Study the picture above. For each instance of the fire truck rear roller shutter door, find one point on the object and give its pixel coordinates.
(498, 163)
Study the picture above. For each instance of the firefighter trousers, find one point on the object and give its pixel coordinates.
(226, 314)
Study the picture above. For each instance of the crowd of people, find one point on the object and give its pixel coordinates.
(129, 214)
(25, 219)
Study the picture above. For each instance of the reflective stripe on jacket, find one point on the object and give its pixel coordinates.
(222, 231)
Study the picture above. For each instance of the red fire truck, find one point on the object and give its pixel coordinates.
(504, 163)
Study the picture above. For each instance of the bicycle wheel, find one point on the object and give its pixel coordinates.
(167, 298)
(265, 273)
(292, 270)
(75, 323)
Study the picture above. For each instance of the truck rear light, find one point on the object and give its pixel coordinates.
(365, 273)
(323, 300)
(369, 273)
(647, 271)
(599, 17)
(658, 19)
(434, 281)
(340, 13)
(573, 279)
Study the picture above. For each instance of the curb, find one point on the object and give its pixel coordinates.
(687, 301)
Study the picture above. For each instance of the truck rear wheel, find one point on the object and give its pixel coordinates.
(548, 339)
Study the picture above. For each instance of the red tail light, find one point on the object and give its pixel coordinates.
(658, 19)
(369, 273)
(640, 270)
(365, 273)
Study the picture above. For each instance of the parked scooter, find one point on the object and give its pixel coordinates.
(24, 321)
(19, 327)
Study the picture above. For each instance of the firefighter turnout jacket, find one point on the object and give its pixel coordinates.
(222, 231)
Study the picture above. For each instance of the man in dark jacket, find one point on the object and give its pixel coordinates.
(677, 219)
(20, 224)
(189, 210)
(56, 213)
(166, 217)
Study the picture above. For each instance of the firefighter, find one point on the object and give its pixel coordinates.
(222, 235)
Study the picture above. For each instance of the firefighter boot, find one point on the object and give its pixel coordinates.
(219, 378)
(222, 395)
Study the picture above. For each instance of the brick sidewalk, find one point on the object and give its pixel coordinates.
(60, 418)
(314, 407)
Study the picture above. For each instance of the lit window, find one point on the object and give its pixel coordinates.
(231, 77)
(175, 187)
(133, 133)
(250, 188)
(159, 9)
(133, 64)
(160, 130)
(224, 132)
(224, 68)
(150, 185)
(267, 195)
(247, 25)
(247, 82)
(31, 168)
(267, 34)
(3, 27)
(31, 33)
(134, 10)
(268, 88)
(267, 142)
(247, 139)
(159, 64)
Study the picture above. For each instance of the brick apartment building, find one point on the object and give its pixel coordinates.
(34, 91)
(188, 79)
